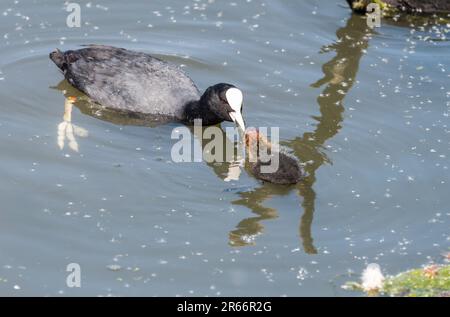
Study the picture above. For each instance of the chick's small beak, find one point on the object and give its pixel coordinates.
(237, 118)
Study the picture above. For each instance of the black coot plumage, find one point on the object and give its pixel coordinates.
(137, 82)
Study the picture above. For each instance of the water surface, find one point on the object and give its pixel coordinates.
(367, 110)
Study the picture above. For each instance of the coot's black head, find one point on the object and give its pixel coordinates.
(225, 101)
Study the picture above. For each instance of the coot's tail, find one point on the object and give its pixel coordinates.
(58, 58)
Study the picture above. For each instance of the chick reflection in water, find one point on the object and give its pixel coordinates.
(339, 77)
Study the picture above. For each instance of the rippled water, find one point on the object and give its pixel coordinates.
(368, 111)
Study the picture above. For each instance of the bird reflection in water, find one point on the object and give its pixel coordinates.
(339, 76)
(67, 131)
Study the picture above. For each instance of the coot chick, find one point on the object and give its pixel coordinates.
(289, 170)
(136, 82)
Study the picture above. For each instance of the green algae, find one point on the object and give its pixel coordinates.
(431, 281)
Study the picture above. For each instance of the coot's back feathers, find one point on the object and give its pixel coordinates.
(126, 80)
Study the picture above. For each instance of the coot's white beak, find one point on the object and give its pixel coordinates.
(235, 99)
(237, 118)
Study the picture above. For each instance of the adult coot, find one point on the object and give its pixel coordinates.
(136, 82)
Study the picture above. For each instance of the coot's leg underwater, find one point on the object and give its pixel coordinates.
(67, 130)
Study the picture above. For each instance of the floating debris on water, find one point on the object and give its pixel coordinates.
(372, 278)
(114, 267)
